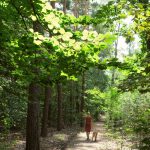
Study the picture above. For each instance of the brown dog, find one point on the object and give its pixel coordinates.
(94, 136)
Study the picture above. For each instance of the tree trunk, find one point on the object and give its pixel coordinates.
(116, 53)
(64, 6)
(50, 115)
(75, 8)
(33, 114)
(82, 99)
(32, 129)
(71, 102)
(77, 99)
(148, 44)
(53, 4)
(46, 111)
(59, 106)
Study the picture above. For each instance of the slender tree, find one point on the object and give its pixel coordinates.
(82, 99)
(46, 111)
(59, 106)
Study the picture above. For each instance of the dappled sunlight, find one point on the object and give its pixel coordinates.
(65, 64)
(104, 141)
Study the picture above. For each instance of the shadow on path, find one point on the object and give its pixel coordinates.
(104, 141)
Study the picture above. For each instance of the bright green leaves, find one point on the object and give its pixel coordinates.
(77, 46)
(85, 35)
(68, 77)
(67, 36)
(52, 20)
(85, 20)
(109, 38)
(63, 49)
(33, 18)
(122, 16)
(94, 101)
(138, 76)
(140, 13)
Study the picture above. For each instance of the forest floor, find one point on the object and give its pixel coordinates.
(105, 141)
(74, 139)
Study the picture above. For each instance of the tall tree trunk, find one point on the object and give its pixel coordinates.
(82, 99)
(116, 53)
(86, 5)
(46, 111)
(33, 130)
(71, 102)
(33, 124)
(77, 105)
(50, 114)
(75, 8)
(147, 59)
(59, 106)
(148, 43)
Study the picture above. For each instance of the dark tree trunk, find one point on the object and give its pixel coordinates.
(71, 102)
(33, 114)
(77, 107)
(77, 98)
(59, 106)
(82, 99)
(46, 111)
(148, 44)
(147, 59)
(50, 115)
(53, 4)
(33, 131)
(64, 6)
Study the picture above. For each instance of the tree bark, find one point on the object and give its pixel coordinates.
(64, 6)
(82, 99)
(33, 114)
(50, 115)
(116, 53)
(71, 102)
(59, 106)
(77, 99)
(53, 4)
(32, 129)
(148, 44)
(46, 111)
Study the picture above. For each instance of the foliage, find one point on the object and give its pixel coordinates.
(64, 53)
(13, 104)
(138, 12)
(130, 112)
(63, 48)
(95, 102)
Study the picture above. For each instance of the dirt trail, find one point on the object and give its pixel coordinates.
(72, 139)
(104, 141)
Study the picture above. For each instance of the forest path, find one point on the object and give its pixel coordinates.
(73, 139)
(104, 141)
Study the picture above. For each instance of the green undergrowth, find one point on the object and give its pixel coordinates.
(7, 145)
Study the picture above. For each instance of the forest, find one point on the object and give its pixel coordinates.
(60, 59)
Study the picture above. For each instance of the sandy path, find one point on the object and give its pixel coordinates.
(75, 140)
(104, 142)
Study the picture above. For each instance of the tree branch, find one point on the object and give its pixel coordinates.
(20, 15)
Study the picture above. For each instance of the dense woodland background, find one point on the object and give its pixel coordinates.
(60, 59)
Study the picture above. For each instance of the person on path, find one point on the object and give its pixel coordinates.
(88, 124)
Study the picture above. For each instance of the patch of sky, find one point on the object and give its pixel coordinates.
(101, 2)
